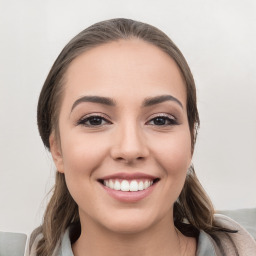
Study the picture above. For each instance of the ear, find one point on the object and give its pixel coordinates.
(56, 153)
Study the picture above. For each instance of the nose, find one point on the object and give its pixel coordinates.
(129, 144)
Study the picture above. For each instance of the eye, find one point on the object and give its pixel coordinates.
(93, 120)
(162, 121)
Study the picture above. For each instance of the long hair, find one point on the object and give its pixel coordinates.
(193, 211)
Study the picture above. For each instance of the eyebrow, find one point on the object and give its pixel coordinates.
(95, 99)
(159, 99)
(111, 102)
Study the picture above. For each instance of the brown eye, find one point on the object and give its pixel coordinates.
(93, 121)
(162, 121)
(159, 121)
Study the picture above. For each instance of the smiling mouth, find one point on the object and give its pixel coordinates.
(125, 185)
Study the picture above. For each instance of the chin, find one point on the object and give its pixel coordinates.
(128, 227)
(130, 222)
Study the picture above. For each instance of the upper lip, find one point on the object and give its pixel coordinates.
(129, 176)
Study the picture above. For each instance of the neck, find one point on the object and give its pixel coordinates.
(160, 239)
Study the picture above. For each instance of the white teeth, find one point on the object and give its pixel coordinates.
(117, 185)
(141, 185)
(134, 186)
(125, 185)
(146, 184)
(111, 184)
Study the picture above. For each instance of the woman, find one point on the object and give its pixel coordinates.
(118, 113)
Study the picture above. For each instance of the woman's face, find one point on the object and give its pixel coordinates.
(125, 143)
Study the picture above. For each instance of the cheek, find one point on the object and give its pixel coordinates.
(173, 155)
(174, 152)
(82, 154)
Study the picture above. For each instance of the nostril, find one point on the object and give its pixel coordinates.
(129, 159)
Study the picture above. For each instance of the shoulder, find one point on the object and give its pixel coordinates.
(239, 243)
(246, 217)
(63, 246)
(34, 239)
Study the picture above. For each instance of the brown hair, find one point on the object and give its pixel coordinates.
(193, 210)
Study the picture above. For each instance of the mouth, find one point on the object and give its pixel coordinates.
(128, 185)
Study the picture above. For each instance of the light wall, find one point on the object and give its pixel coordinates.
(218, 38)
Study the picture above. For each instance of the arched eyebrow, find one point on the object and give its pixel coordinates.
(94, 99)
(111, 102)
(159, 99)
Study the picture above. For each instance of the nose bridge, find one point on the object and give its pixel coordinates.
(130, 143)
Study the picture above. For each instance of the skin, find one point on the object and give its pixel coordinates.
(128, 139)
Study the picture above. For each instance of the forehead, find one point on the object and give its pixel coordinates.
(124, 66)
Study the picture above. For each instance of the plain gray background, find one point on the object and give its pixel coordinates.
(218, 39)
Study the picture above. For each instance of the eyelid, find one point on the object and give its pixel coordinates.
(172, 119)
(97, 114)
(162, 115)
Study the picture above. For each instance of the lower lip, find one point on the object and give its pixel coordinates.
(129, 197)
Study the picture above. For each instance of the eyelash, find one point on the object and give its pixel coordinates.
(164, 117)
(90, 118)
(98, 118)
